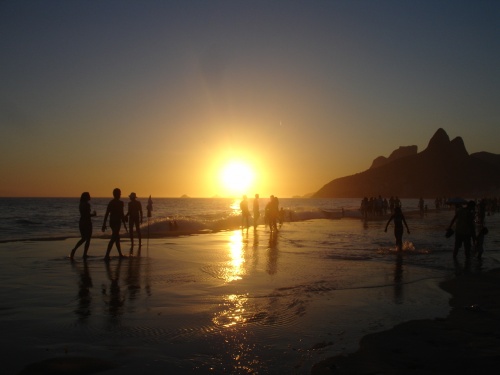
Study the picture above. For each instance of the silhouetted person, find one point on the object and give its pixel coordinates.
(116, 216)
(421, 205)
(399, 220)
(256, 211)
(465, 230)
(134, 216)
(85, 225)
(245, 213)
(272, 213)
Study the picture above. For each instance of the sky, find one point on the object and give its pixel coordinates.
(158, 97)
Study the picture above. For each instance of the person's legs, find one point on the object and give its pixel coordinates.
(87, 245)
(116, 235)
(131, 232)
(467, 247)
(115, 239)
(399, 239)
(458, 244)
(88, 237)
(110, 245)
(138, 229)
(399, 243)
(78, 244)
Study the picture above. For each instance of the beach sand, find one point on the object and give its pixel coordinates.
(465, 342)
(229, 302)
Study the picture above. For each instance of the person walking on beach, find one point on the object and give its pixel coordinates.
(116, 217)
(465, 231)
(245, 213)
(399, 220)
(85, 225)
(134, 216)
(256, 211)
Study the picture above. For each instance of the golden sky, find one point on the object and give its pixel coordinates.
(159, 97)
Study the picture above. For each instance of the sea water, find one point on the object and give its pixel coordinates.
(57, 218)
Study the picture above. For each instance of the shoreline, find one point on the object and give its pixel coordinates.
(467, 341)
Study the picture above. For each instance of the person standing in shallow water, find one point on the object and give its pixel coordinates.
(85, 225)
(134, 216)
(116, 216)
(245, 213)
(399, 220)
(256, 211)
(465, 231)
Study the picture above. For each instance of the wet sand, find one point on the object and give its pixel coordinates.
(220, 303)
(465, 342)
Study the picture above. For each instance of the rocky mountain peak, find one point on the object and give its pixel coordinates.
(439, 141)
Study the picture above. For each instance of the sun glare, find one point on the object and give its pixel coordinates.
(236, 178)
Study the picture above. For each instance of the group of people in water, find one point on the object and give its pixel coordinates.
(465, 219)
(468, 217)
(115, 212)
(272, 214)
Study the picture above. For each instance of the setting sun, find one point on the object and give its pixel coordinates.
(237, 177)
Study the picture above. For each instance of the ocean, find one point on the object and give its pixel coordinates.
(57, 218)
(209, 297)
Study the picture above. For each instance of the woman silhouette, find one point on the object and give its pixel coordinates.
(85, 225)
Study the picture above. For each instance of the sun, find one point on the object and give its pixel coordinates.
(237, 177)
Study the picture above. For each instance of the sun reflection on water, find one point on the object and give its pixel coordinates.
(234, 313)
(236, 262)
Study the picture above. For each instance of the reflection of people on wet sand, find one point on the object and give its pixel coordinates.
(133, 277)
(85, 225)
(256, 211)
(272, 254)
(398, 278)
(115, 300)
(245, 213)
(84, 296)
(399, 220)
(134, 216)
(465, 231)
(116, 216)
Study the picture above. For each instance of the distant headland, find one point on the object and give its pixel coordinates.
(443, 169)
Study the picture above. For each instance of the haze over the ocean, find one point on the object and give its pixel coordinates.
(157, 97)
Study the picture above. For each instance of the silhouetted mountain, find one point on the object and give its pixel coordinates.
(444, 168)
(401, 152)
(488, 157)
